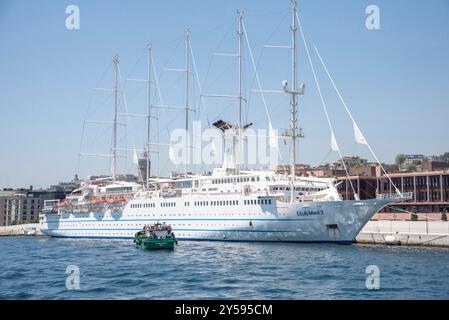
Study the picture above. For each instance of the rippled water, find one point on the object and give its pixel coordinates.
(34, 268)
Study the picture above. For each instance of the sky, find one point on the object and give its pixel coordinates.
(395, 80)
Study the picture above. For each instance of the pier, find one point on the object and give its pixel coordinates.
(21, 230)
(413, 233)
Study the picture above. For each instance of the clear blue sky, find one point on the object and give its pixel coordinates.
(395, 80)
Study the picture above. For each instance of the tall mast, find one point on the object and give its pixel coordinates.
(186, 107)
(147, 171)
(114, 124)
(293, 100)
(240, 56)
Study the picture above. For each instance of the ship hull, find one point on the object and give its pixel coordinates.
(333, 221)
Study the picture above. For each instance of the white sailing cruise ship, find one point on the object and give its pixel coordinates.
(230, 204)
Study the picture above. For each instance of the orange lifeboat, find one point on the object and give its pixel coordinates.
(98, 201)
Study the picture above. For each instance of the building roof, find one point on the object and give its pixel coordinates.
(8, 193)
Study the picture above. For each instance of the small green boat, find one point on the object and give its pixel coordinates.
(158, 236)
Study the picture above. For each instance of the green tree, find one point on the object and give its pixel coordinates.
(399, 160)
(411, 168)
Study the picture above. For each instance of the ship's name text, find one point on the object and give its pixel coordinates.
(310, 213)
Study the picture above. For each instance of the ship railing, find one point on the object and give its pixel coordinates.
(404, 195)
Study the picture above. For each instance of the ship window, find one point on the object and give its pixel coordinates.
(269, 201)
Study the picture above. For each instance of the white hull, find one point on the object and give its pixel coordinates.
(327, 221)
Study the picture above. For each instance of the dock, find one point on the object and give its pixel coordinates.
(412, 233)
(21, 230)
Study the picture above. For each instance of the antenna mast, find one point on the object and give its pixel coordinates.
(240, 56)
(147, 171)
(114, 126)
(293, 102)
(186, 106)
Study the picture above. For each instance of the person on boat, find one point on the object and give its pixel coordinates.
(172, 234)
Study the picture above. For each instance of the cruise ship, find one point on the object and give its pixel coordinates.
(229, 204)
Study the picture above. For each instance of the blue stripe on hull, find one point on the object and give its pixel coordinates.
(220, 240)
(185, 219)
(175, 229)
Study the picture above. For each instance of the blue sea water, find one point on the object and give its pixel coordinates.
(35, 268)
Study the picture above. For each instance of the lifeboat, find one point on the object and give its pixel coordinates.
(98, 201)
(66, 204)
(120, 200)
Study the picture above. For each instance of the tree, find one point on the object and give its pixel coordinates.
(399, 160)
(411, 168)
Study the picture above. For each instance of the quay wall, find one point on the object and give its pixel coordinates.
(21, 230)
(414, 233)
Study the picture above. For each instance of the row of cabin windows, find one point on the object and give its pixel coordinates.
(168, 204)
(297, 189)
(203, 203)
(258, 201)
(216, 203)
(119, 189)
(143, 205)
(235, 180)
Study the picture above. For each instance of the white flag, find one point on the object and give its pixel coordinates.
(359, 138)
(334, 145)
(272, 139)
(135, 157)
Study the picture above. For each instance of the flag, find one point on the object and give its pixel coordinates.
(272, 139)
(334, 145)
(135, 158)
(359, 138)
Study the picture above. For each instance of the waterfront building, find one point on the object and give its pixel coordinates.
(413, 159)
(430, 191)
(4, 195)
(286, 168)
(352, 161)
(24, 205)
